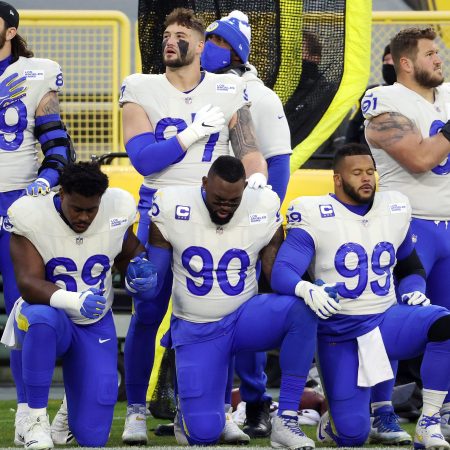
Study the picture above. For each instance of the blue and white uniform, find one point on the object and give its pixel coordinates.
(170, 111)
(19, 163)
(428, 192)
(216, 311)
(358, 251)
(88, 347)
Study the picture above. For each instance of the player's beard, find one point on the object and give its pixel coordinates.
(184, 59)
(354, 195)
(218, 220)
(427, 79)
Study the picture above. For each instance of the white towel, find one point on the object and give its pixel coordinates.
(9, 335)
(374, 364)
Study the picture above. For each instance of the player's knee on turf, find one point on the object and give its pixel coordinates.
(204, 428)
(95, 432)
(203, 424)
(352, 429)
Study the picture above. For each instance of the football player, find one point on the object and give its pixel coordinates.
(175, 125)
(213, 236)
(62, 259)
(408, 132)
(353, 243)
(29, 114)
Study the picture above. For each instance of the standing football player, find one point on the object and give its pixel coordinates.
(175, 126)
(408, 131)
(29, 114)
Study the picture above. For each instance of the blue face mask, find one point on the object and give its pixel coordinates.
(215, 58)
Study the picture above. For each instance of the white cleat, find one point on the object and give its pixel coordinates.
(232, 434)
(61, 434)
(428, 434)
(445, 423)
(135, 430)
(385, 428)
(37, 433)
(324, 432)
(286, 433)
(19, 428)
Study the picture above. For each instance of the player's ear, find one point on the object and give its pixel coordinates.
(337, 179)
(10, 33)
(204, 182)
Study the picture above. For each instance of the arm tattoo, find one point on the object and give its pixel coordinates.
(49, 104)
(389, 128)
(242, 135)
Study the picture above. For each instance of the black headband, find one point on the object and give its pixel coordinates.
(9, 14)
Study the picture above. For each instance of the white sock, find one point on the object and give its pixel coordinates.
(36, 412)
(375, 405)
(22, 408)
(287, 412)
(432, 401)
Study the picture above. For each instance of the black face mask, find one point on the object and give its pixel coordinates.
(309, 69)
(389, 75)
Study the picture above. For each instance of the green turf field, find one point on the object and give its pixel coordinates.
(7, 413)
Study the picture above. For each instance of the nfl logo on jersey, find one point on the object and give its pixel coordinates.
(182, 212)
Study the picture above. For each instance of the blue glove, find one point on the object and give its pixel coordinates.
(92, 303)
(11, 90)
(39, 187)
(141, 275)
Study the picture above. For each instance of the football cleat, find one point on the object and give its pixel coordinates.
(428, 434)
(286, 433)
(385, 428)
(19, 428)
(445, 423)
(324, 432)
(232, 434)
(135, 430)
(37, 433)
(61, 434)
(257, 419)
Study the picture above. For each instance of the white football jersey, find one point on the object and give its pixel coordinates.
(76, 261)
(271, 126)
(214, 266)
(429, 192)
(18, 154)
(170, 111)
(358, 252)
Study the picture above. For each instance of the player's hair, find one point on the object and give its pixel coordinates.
(227, 168)
(404, 43)
(19, 48)
(83, 178)
(186, 18)
(351, 149)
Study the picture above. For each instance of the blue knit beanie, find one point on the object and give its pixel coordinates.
(235, 29)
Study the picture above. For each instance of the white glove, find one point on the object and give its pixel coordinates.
(257, 181)
(89, 304)
(416, 298)
(317, 298)
(208, 120)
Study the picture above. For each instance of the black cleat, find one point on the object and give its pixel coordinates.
(257, 423)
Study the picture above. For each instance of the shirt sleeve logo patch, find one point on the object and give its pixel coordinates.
(397, 208)
(326, 211)
(257, 218)
(116, 222)
(182, 212)
(225, 88)
(34, 74)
